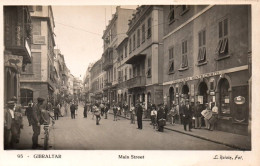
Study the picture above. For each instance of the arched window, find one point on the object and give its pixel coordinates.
(224, 96)
(26, 96)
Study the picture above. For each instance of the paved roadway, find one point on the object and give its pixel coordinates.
(83, 134)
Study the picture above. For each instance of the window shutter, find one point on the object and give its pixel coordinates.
(220, 29)
(203, 55)
(204, 38)
(199, 55)
(219, 46)
(224, 46)
(225, 27)
(186, 60)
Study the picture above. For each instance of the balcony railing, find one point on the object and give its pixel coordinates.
(107, 64)
(137, 81)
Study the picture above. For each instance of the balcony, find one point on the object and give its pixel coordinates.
(107, 64)
(17, 31)
(138, 81)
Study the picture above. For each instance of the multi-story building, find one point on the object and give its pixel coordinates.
(97, 81)
(70, 85)
(87, 83)
(17, 49)
(38, 79)
(114, 33)
(77, 88)
(145, 49)
(206, 59)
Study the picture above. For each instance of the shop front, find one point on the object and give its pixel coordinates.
(228, 89)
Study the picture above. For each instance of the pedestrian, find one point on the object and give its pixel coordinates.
(187, 115)
(115, 110)
(85, 112)
(161, 121)
(76, 108)
(197, 115)
(56, 110)
(173, 113)
(139, 114)
(214, 118)
(106, 110)
(11, 121)
(132, 113)
(166, 110)
(154, 116)
(97, 113)
(207, 113)
(72, 110)
(119, 109)
(36, 122)
(102, 106)
(28, 111)
(126, 109)
(181, 112)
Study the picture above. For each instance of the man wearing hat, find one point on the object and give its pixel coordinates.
(187, 115)
(36, 117)
(139, 114)
(9, 130)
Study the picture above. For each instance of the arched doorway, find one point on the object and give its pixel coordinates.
(224, 96)
(185, 92)
(171, 94)
(202, 91)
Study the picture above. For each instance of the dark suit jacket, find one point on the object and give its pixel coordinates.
(187, 111)
(36, 114)
(72, 108)
(139, 110)
(7, 119)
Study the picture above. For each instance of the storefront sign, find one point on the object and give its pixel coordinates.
(239, 100)
(37, 39)
(200, 99)
(226, 100)
(13, 61)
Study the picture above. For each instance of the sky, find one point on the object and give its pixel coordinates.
(79, 31)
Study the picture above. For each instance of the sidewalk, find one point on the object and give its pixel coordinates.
(236, 141)
(26, 137)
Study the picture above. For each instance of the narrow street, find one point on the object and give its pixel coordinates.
(83, 134)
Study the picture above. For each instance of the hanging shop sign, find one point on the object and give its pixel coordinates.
(239, 100)
(13, 61)
(37, 39)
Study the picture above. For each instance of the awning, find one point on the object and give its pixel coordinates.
(134, 59)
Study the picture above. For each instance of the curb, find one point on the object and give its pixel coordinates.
(207, 139)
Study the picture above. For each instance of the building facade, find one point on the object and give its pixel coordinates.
(114, 34)
(145, 50)
(38, 79)
(17, 48)
(206, 60)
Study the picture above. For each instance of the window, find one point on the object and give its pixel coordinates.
(125, 73)
(224, 97)
(185, 9)
(149, 28)
(130, 45)
(138, 37)
(125, 51)
(130, 73)
(143, 33)
(39, 8)
(202, 46)
(122, 57)
(149, 67)
(134, 42)
(171, 60)
(171, 16)
(26, 96)
(222, 47)
(114, 74)
(184, 61)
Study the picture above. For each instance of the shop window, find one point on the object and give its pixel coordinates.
(149, 67)
(149, 28)
(224, 97)
(202, 46)
(171, 16)
(222, 47)
(143, 33)
(171, 61)
(26, 96)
